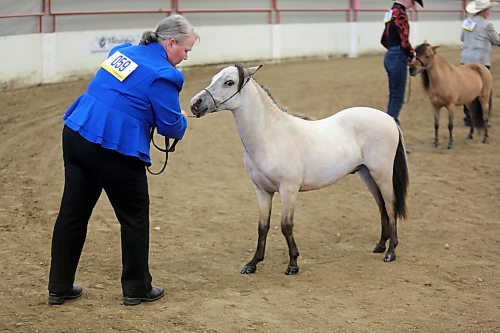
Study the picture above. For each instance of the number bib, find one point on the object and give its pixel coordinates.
(388, 16)
(119, 66)
(468, 25)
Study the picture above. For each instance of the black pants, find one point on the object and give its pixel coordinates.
(89, 168)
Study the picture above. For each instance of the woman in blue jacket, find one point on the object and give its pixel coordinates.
(106, 146)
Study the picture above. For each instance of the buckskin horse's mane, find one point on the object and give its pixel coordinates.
(425, 80)
(425, 76)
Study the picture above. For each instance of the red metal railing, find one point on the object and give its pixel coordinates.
(273, 11)
(54, 13)
(40, 16)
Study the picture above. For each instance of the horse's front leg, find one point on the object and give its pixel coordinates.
(264, 199)
(435, 143)
(288, 198)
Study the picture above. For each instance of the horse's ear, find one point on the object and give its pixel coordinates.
(434, 48)
(251, 70)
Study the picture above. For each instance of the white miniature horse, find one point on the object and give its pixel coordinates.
(287, 154)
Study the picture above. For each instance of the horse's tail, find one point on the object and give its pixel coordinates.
(400, 179)
(476, 113)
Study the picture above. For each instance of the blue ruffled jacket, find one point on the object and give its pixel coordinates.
(119, 115)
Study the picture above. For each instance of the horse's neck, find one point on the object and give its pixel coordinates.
(255, 117)
(438, 65)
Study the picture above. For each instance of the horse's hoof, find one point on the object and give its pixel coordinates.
(450, 146)
(379, 249)
(292, 270)
(390, 257)
(248, 269)
(468, 137)
(434, 145)
(486, 141)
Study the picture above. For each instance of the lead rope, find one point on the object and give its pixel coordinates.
(168, 149)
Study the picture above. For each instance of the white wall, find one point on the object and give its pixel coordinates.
(53, 57)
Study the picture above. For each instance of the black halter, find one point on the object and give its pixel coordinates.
(241, 85)
(420, 61)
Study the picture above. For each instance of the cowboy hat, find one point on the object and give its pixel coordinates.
(477, 6)
(420, 2)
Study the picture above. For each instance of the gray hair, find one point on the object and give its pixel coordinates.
(174, 26)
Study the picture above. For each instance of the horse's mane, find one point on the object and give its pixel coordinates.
(425, 76)
(425, 80)
(268, 92)
(282, 108)
(241, 77)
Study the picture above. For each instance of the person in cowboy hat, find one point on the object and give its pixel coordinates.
(395, 39)
(478, 35)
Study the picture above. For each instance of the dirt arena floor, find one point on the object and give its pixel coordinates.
(204, 224)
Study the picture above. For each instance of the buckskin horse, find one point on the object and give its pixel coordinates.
(448, 85)
(287, 154)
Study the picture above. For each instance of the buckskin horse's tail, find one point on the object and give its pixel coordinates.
(475, 109)
(400, 179)
(476, 113)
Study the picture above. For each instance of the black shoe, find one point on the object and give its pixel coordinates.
(59, 298)
(153, 295)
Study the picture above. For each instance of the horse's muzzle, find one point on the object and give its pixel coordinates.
(414, 71)
(197, 106)
(202, 103)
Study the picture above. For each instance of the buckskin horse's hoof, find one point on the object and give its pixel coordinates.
(248, 269)
(390, 257)
(379, 249)
(292, 270)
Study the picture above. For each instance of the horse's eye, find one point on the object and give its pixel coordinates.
(229, 83)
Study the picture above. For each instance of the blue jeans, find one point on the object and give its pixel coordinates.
(395, 63)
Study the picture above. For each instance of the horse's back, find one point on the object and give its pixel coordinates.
(374, 131)
(475, 81)
(481, 70)
(359, 119)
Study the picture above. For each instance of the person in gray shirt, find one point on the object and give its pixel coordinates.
(478, 36)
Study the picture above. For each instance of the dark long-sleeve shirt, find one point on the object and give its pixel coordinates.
(397, 29)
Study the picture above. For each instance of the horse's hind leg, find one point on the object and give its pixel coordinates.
(264, 199)
(486, 107)
(288, 197)
(470, 107)
(366, 177)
